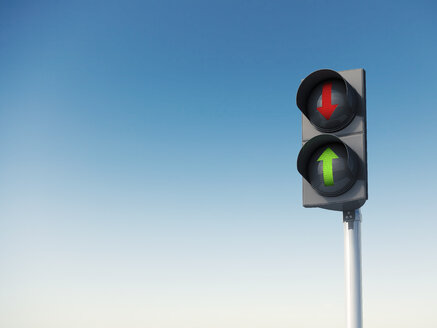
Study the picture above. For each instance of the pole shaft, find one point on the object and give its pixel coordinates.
(352, 259)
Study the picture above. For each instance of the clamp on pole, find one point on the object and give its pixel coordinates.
(351, 215)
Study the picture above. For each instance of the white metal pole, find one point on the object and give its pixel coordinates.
(352, 261)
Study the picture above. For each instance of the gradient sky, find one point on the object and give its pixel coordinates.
(148, 164)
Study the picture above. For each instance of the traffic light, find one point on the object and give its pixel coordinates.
(333, 158)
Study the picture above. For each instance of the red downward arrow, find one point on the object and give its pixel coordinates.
(327, 108)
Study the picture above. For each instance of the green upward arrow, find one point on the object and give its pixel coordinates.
(327, 156)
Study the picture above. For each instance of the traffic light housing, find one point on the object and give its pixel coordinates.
(333, 158)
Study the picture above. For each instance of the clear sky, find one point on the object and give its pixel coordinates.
(148, 164)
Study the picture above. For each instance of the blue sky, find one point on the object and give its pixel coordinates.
(148, 163)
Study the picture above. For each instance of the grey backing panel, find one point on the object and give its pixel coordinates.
(354, 136)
